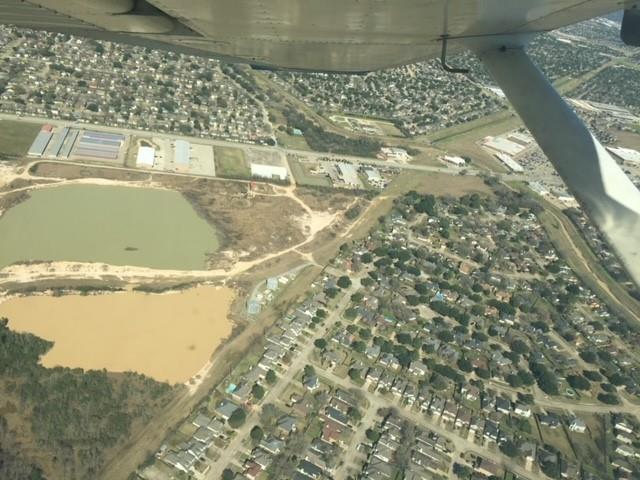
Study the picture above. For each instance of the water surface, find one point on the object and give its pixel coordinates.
(116, 225)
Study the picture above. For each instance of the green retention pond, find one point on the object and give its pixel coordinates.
(142, 227)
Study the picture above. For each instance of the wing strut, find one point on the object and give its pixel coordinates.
(607, 195)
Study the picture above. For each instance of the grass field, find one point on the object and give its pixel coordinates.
(16, 137)
(589, 446)
(493, 124)
(302, 175)
(231, 162)
(290, 141)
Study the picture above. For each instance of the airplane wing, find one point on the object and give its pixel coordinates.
(364, 35)
(319, 35)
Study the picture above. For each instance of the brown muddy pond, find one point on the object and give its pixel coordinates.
(167, 336)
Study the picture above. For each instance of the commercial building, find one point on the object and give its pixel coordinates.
(268, 171)
(394, 154)
(374, 178)
(348, 174)
(40, 144)
(146, 157)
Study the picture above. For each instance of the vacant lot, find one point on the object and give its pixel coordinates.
(590, 447)
(251, 227)
(231, 162)
(291, 141)
(16, 138)
(322, 200)
(71, 172)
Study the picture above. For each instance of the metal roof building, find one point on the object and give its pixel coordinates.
(65, 151)
(268, 171)
(56, 143)
(99, 145)
(348, 174)
(40, 144)
(182, 153)
(146, 157)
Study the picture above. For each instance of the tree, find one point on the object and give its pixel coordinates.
(320, 343)
(256, 434)
(509, 448)
(520, 347)
(372, 435)
(271, 377)
(257, 391)
(354, 374)
(592, 375)
(227, 474)
(462, 471)
(354, 414)
(344, 282)
(589, 356)
(608, 398)
(357, 297)
(578, 382)
(445, 336)
(237, 418)
(464, 365)
(359, 346)
(404, 338)
(547, 381)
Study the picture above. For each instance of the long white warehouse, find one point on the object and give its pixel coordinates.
(268, 171)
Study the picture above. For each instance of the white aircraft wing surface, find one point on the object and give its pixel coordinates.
(320, 35)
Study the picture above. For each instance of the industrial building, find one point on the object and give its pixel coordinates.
(55, 146)
(625, 154)
(504, 145)
(146, 157)
(510, 163)
(99, 145)
(269, 171)
(39, 145)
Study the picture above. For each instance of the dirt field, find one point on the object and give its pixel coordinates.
(23, 183)
(627, 139)
(325, 201)
(253, 226)
(71, 172)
